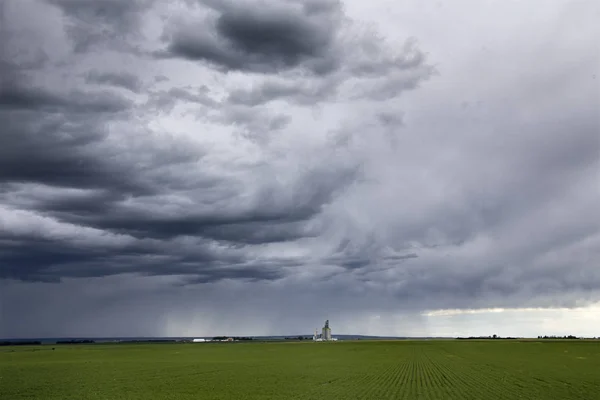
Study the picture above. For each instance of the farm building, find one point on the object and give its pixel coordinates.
(325, 334)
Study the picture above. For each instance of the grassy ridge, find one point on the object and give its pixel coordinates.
(344, 370)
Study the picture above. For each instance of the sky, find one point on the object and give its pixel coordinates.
(254, 167)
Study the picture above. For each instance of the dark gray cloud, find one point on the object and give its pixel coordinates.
(52, 138)
(49, 248)
(89, 189)
(305, 94)
(47, 136)
(367, 68)
(118, 79)
(166, 100)
(262, 38)
(92, 23)
(16, 97)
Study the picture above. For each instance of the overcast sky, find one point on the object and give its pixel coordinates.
(228, 167)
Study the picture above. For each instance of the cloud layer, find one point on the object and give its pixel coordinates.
(291, 153)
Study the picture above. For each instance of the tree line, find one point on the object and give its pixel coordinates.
(558, 337)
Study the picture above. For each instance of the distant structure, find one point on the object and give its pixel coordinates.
(325, 334)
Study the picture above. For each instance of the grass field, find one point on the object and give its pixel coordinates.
(343, 370)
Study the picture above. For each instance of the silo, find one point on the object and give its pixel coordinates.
(326, 333)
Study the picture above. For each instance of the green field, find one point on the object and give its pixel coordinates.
(342, 370)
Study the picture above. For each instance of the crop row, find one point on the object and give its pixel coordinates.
(430, 373)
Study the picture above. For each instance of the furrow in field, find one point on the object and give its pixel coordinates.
(476, 381)
(433, 385)
(512, 385)
(344, 389)
(448, 385)
(498, 383)
(404, 379)
(404, 388)
(426, 386)
(341, 388)
(396, 386)
(439, 365)
(352, 388)
(445, 385)
(420, 383)
(377, 391)
(386, 385)
(440, 375)
(420, 378)
(370, 385)
(463, 382)
(492, 383)
(412, 387)
(364, 386)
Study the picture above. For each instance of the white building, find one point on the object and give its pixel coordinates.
(325, 334)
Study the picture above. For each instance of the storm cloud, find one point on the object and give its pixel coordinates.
(290, 161)
(262, 37)
(92, 23)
